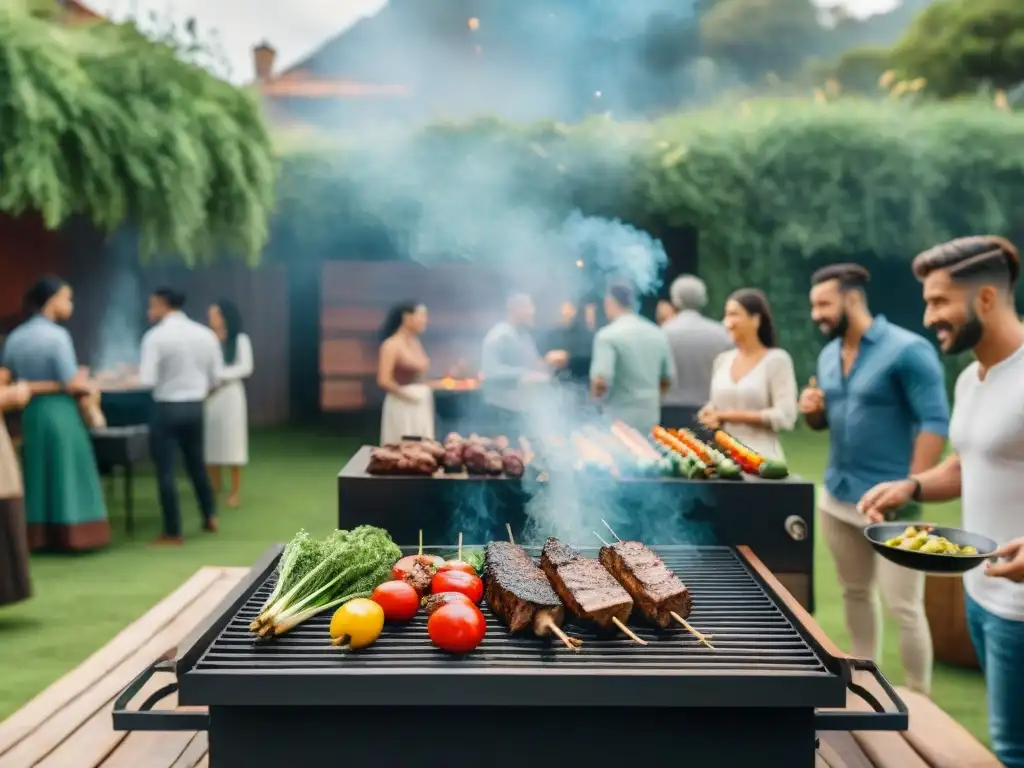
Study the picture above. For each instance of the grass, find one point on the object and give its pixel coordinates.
(81, 602)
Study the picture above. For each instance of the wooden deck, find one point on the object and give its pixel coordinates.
(69, 725)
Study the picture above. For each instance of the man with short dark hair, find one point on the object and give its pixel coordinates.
(969, 302)
(632, 365)
(181, 361)
(694, 341)
(881, 393)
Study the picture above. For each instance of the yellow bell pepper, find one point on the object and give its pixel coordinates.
(357, 623)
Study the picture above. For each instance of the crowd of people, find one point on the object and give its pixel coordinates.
(50, 492)
(878, 390)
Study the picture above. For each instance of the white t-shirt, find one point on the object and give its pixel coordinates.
(181, 360)
(987, 432)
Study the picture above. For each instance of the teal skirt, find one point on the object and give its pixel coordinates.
(64, 505)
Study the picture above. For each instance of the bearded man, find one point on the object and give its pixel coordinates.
(969, 288)
(881, 393)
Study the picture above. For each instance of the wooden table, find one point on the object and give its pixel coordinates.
(69, 725)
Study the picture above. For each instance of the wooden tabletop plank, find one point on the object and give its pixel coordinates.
(841, 750)
(196, 751)
(57, 697)
(939, 739)
(59, 737)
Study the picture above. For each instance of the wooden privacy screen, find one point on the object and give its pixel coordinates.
(464, 301)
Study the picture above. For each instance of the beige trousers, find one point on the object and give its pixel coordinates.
(860, 569)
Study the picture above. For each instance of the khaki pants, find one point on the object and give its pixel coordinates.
(859, 569)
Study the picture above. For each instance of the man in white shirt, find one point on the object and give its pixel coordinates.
(969, 301)
(181, 361)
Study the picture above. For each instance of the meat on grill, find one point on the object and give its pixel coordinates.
(513, 463)
(431, 603)
(655, 589)
(420, 576)
(584, 585)
(404, 459)
(518, 591)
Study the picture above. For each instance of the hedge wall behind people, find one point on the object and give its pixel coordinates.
(775, 189)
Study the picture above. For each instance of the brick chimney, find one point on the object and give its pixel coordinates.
(263, 56)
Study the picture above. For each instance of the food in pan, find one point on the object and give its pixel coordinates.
(751, 461)
(357, 623)
(351, 564)
(920, 539)
(655, 589)
(399, 600)
(458, 581)
(432, 602)
(584, 586)
(457, 627)
(519, 593)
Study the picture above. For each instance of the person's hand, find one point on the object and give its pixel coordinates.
(812, 399)
(1012, 567)
(557, 358)
(708, 417)
(885, 497)
(599, 387)
(18, 395)
(409, 395)
(80, 387)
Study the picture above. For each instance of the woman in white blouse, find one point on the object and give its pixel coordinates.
(227, 418)
(753, 387)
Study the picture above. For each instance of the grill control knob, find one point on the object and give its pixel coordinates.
(796, 527)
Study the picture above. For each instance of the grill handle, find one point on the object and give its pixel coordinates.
(145, 718)
(880, 719)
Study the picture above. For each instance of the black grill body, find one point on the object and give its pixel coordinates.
(774, 517)
(297, 700)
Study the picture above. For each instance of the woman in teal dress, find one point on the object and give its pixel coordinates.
(64, 504)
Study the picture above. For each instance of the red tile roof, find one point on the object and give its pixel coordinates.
(301, 84)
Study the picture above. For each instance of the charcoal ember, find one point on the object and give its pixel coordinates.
(512, 463)
(453, 460)
(494, 463)
(474, 456)
(501, 443)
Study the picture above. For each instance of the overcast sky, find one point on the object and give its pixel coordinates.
(293, 27)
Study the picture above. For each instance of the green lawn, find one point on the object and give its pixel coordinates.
(82, 602)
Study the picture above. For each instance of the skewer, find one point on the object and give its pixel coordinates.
(613, 533)
(572, 643)
(702, 638)
(420, 553)
(601, 538)
(459, 556)
(627, 631)
(511, 538)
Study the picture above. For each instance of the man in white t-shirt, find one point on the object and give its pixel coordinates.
(969, 302)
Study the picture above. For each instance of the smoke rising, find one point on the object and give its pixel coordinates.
(120, 329)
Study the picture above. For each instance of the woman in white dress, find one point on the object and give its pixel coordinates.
(227, 416)
(753, 387)
(402, 367)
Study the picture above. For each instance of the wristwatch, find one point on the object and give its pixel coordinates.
(916, 495)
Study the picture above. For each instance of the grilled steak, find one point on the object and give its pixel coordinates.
(655, 589)
(583, 584)
(518, 591)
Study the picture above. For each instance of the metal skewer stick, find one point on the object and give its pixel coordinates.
(601, 538)
(459, 555)
(420, 553)
(613, 533)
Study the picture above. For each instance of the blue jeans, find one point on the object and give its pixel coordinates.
(1000, 647)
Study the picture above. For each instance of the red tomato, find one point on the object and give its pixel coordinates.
(398, 599)
(402, 567)
(457, 581)
(457, 565)
(457, 627)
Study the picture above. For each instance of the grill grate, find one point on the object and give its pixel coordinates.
(751, 636)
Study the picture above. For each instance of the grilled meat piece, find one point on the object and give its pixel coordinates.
(494, 463)
(432, 447)
(512, 463)
(584, 585)
(401, 460)
(431, 603)
(474, 456)
(518, 591)
(420, 577)
(453, 460)
(654, 588)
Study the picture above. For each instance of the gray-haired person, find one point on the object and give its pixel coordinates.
(695, 341)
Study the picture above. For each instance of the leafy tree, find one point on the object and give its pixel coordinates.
(961, 45)
(860, 69)
(760, 36)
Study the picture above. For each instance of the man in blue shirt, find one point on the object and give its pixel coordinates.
(880, 391)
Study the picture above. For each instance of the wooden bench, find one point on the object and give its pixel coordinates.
(69, 725)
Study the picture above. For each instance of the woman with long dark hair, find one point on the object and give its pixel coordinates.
(402, 366)
(753, 387)
(65, 508)
(226, 429)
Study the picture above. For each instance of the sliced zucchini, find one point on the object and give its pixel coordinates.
(772, 469)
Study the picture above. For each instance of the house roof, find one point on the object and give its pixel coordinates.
(81, 10)
(304, 85)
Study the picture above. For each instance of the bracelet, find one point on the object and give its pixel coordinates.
(916, 495)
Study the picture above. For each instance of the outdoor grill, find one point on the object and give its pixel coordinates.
(299, 701)
(775, 517)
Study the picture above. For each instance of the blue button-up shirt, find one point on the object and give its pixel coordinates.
(895, 390)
